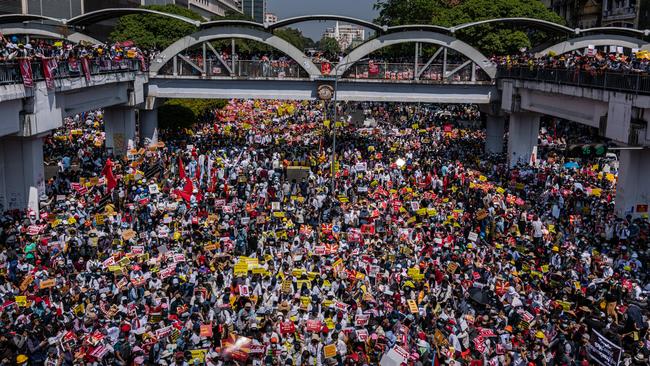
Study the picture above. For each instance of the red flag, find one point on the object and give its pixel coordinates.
(325, 68)
(107, 172)
(49, 65)
(181, 168)
(188, 188)
(86, 67)
(26, 73)
(185, 196)
(373, 68)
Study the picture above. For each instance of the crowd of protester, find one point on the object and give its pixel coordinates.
(273, 64)
(589, 60)
(224, 245)
(65, 58)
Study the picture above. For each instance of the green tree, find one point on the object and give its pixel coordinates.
(154, 31)
(490, 39)
(183, 113)
(291, 35)
(295, 37)
(175, 116)
(233, 15)
(329, 46)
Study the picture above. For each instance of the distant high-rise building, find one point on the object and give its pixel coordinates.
(621, 13)
(270, 18)
(66, 9)
(254, 9)
(346, 34)
(602, 13)
(577, 13)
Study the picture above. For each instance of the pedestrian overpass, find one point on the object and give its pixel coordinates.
(192, 67)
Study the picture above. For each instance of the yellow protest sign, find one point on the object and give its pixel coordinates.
(287, 286)
(21, 301)
(413, 306)
(303, 282)
(565, 304)
(305, 300)
(413, 271)
(47, 283)
(329, 351)
(241, 269)
(79, 309)
(544, 268)
(197, 355)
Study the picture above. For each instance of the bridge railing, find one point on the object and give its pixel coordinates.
(407, 71)
(10, 71)
(638, 83)
(290, 69)
(238, 69)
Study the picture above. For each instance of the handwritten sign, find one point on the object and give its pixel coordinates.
(602, 350)
(47, 284)
(413, 306)
(206, 330)
(21, 301)
(329, 350)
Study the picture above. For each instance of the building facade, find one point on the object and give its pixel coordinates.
(602, 13)
(577, 13)
(254, 9)
(347, 35)
(66, 9)
(270, 18)
(621, 13)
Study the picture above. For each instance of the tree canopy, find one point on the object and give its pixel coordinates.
(329, 46)
(291, 35)
(154, 31)
(183, 113)
(490, 39)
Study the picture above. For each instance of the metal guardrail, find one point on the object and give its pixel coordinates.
(10, 71)
(636, 83)
(242, 69)
(194, 66)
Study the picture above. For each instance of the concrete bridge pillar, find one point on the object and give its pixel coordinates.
(119, 124)
(21, 167)
(632, 188)
(522, 137)
(494, 130)
(148, 123)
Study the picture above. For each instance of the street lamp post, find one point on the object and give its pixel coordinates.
(336, 88)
